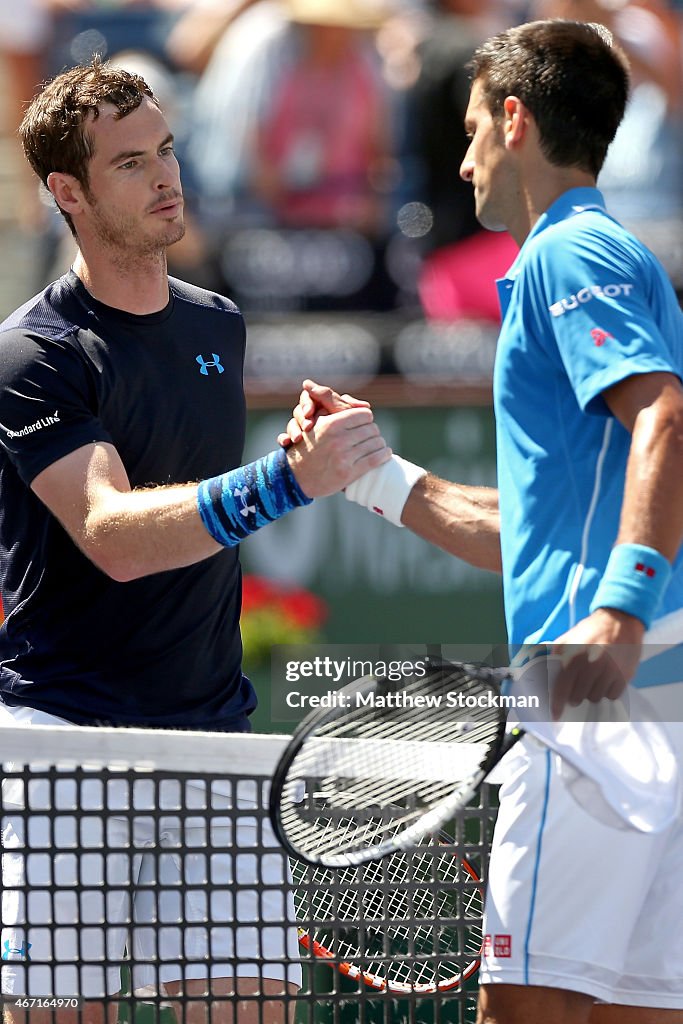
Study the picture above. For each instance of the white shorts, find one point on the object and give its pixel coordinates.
(175, 892)
(576, 904)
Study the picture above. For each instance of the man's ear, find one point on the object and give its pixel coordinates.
(516, 120)
(67, 192)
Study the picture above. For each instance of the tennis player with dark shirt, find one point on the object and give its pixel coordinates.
(583, 920)
(119, 389)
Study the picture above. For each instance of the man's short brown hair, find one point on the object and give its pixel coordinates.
(573, 78)
(54, 133)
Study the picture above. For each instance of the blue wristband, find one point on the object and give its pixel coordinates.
(635, 580)
(238, 503)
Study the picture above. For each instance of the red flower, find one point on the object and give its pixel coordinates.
(306, 609)
(274, 613)
(257, 592)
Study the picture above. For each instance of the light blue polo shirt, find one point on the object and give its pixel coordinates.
(585, 305)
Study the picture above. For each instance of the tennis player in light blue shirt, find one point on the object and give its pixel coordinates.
(585, 306)
(583, 919)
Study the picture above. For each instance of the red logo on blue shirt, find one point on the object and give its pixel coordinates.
(646, 569)
(599, 336)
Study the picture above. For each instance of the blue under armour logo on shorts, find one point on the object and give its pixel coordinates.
(204, 364)
(16, 953)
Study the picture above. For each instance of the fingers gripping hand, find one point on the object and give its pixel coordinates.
(292, 434)
(599, 657)
(337, 449)
(315, 400)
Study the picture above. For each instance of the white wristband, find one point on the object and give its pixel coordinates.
(385, 490)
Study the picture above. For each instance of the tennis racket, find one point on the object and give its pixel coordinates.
(389, 764)
(409, 923)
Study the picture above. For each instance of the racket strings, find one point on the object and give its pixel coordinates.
(405, 954)
(337, 790)
(357, 720)
(346, 791)
(416, 917)
(368, 772)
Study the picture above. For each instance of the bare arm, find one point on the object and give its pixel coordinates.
(465, 521)
(462, 520)
(129, 533)
(651, 407)
(602, 651)
(126, 533)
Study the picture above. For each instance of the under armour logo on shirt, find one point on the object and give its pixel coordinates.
(214, 362)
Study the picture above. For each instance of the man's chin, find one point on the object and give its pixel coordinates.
(490, 223)
(486, 216)
(175, 233)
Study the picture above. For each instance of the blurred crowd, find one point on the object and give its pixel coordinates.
(320, 140)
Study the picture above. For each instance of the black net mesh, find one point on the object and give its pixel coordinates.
(141, 885)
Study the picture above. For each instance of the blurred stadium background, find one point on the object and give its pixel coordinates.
(320, 142)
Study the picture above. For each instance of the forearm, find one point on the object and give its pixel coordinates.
(462, 520)
(651, 525)
(144, 531)
(601, 653)
(132, 532)
(652, 511)
(189, 523)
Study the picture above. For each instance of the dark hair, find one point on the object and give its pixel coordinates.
(53, 131)
(570, 74)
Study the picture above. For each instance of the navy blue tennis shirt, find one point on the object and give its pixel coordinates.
(166, 390)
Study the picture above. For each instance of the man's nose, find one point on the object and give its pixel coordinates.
(467, 167)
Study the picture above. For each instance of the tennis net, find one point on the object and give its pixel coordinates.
(142, 881)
